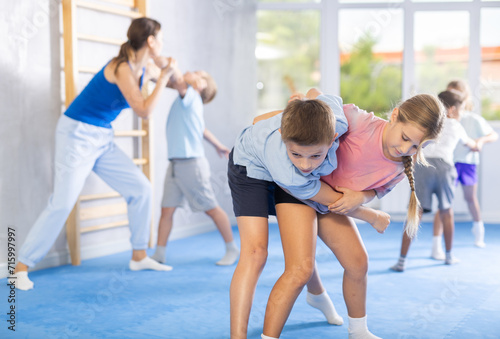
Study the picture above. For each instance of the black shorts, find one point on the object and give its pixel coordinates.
(254, 197)
(251, 197)
(283, 197)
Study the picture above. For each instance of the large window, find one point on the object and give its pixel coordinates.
(441, 52)
(375, 53)
(371, 56)
(287, 54)
(489, 89)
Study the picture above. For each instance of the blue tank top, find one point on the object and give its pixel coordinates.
(99, 103)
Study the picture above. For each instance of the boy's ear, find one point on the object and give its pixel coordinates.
(394, 114)
(334, 138)
(201, 84)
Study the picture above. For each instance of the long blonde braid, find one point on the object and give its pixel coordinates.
(412, 217)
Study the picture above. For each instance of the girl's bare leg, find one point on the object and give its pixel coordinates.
(341, 235)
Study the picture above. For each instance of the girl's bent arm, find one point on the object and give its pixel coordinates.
(265, 116)
(378, 219)
(350, 200)
(129, 87)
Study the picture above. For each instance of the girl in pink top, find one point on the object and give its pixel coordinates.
(362, 164)
(373, 156)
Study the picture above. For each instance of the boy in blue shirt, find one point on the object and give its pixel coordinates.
(188, 174)
(280, 153)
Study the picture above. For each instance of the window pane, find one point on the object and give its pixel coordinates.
(441, 0)
(490, 65)
(441, 53)
(287, 55)
(371, 54)
(289, 0)
(367, 1)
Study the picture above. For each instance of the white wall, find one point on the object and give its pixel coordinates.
(216, 36)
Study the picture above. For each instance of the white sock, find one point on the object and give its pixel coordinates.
(358, 329)
(400, 265)
(437, 248)
(323, 303)
(478, 231)
(232, 254)
(21, 281)
(159, 254)
(148, 264)
(263, 336)
(450, 259)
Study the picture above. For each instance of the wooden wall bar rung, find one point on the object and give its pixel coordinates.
(102, 211)
(90, 70)
(108, 9)
(95, 38)
(127, 3)
(131, 133)
(140, 161)
(99, 196)
(104, 226)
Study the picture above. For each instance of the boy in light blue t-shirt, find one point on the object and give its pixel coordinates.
(188, 174)
(284, 153)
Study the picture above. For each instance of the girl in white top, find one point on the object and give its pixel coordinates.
(466, 162)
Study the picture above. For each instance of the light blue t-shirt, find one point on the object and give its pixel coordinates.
(261, 150)
(185, 127)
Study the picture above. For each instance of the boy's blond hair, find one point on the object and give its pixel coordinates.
(209, 92)
(308, 122)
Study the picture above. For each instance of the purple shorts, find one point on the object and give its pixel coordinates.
(467, 174)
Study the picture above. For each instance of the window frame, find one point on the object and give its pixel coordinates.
(329, 41)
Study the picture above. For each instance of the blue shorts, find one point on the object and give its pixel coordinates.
(467, 174)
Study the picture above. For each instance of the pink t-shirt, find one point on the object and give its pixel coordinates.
(362, 164)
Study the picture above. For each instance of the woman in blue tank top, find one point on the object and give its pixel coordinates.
(84, 143)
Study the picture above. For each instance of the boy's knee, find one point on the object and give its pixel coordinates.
(257, 256)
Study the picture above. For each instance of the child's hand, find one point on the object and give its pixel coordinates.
(382, 222)
(223, 151)
(348, 203)
(296, 96)
(170, 70)
(313, 93)
(162, 61)
(479, 145)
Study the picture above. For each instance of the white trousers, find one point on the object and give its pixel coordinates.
(80, 149)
